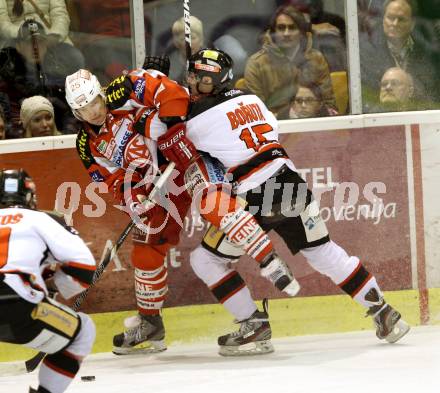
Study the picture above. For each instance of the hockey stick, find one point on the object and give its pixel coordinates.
(33, 362)
(187, 21)
(33, 28)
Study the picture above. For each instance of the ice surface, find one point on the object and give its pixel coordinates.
(334, 363)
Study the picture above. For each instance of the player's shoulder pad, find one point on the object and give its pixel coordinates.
(59, 218)
(83, 147)
(208, 102)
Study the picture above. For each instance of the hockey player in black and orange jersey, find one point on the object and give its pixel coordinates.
(239, 131)
(33, 243)
(108, 145)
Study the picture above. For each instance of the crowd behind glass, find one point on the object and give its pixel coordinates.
(290, 53)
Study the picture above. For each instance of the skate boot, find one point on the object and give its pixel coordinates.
(143, 334)
(253, 337)
(389, 324)
(276, 270)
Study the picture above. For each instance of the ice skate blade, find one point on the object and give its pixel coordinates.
(147, 347)
(400, 329)
(250, 349)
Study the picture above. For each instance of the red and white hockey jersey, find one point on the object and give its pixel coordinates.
(109, 150)
(241, 133)
(152, 89)
(30, 240)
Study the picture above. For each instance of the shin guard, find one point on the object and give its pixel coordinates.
(242, 229)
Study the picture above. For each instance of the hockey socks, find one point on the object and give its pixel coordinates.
(243, 230)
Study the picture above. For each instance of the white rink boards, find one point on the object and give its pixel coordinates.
(309, 364)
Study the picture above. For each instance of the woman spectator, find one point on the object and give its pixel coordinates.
(38, 117)
(308, 102)
(287, 54)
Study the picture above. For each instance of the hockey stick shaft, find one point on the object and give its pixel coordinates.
(112, 252)
(187, 22)
(33, 362)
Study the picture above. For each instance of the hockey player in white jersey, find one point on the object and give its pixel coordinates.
(30, 242)
(239, 131)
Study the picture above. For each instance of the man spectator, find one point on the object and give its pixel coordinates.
(328, 31)
(397, 94)
(396, 87)
(30, 69)
(38, 117)
(307, 103)
(287, 55)
(394, 46)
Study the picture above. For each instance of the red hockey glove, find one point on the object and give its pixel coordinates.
(150, 224)
(176, 147)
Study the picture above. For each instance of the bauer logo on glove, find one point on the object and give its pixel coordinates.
(177, 148)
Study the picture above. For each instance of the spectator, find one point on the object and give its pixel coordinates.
(30, 69)
(397, 94)
(396, 87)
(50, 13)
(287, 55)
(394, 46)
(178, 58)
(308, 102)
(225, 42)
(328, 32)
(38, 117)
(2, 124)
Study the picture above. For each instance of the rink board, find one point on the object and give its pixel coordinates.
(365, 169)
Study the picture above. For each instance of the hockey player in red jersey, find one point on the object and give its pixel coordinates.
(112, 142)
(32, 243)
(239, 131)
(114, 153)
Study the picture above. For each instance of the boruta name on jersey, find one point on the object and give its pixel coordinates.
(245, 114)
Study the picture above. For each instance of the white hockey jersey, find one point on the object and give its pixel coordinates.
(30, 240)
(241, 133)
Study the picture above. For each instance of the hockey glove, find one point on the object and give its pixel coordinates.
(118, 92)
(177, 148)
(141, 120)
(158, 63)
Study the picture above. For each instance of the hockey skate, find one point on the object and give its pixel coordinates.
(144, 334)
(253, 337)
(389, 323)
(276, 270)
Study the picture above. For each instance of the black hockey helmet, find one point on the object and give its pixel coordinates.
(214, 63)
(17, 189)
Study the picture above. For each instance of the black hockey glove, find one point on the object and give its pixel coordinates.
(158, 63)
(118, 92)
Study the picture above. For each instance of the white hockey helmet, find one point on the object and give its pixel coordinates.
(82, 88)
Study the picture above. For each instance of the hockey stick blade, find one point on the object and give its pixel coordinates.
(33, 362)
